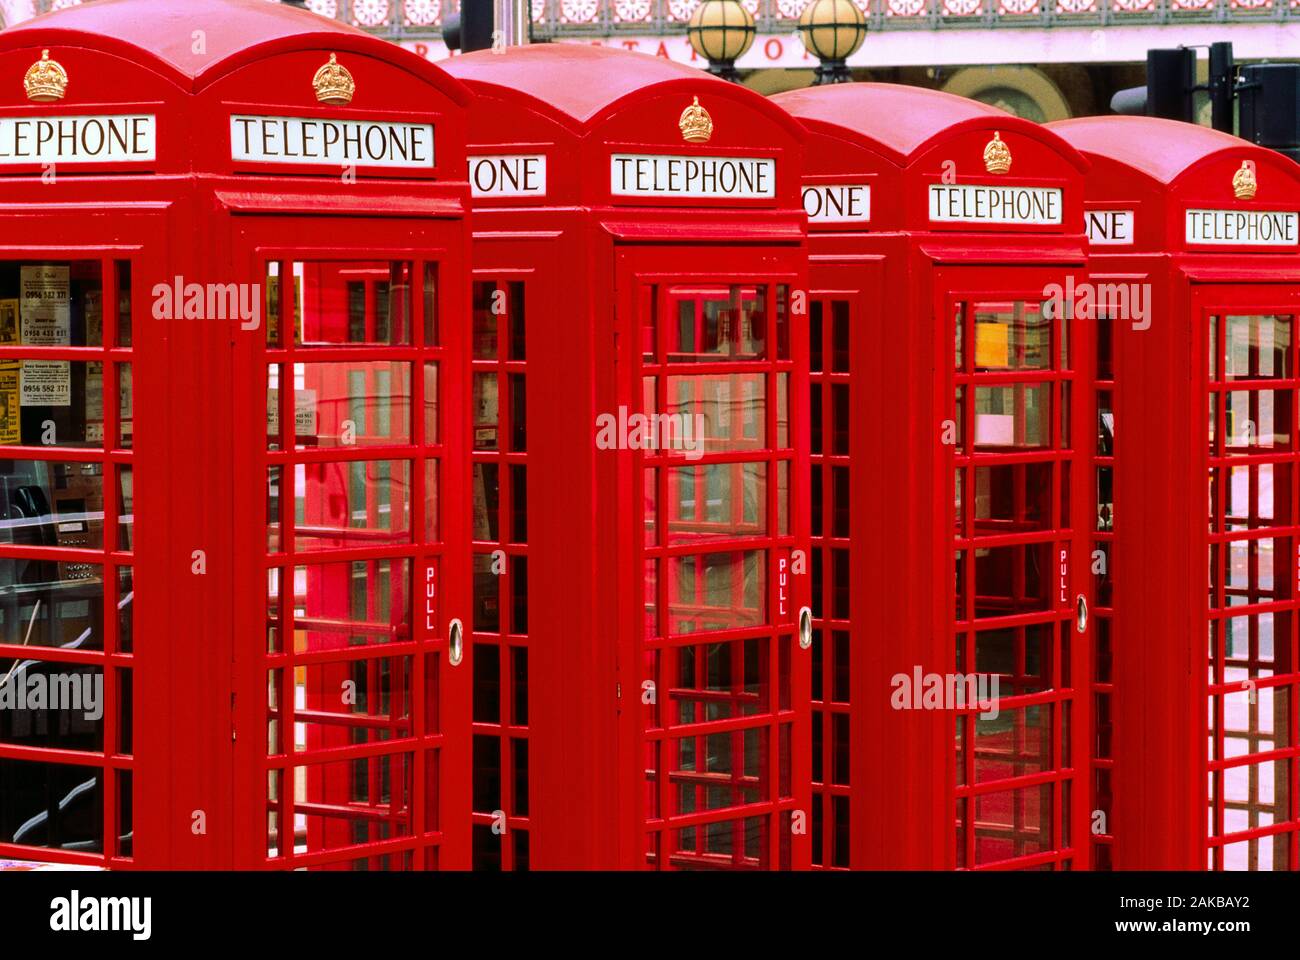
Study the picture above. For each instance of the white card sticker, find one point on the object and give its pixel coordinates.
(304, 412)
(45, 306)
(47, 383)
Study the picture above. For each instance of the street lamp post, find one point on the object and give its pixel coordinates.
(832, 31)
(721, 31)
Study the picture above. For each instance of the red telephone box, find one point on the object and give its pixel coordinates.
(644, 218)
(226, 219)
(1194, 240)
(949, 400)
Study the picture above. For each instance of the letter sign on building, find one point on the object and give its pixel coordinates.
(740, 178)
(90, 139)
(337, 143)
(837, 203)
(514, 175)
(974, 203)
(1109, 227)
(1243, 228)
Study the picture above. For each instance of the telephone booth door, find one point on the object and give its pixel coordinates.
(1248, 365)
(71, 770)
(1021, 509)
(718, 364)
(353, 747)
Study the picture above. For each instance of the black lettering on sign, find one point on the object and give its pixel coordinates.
(837, 203)
(125, 138)
(325, 142)
(641, 175)
(514, 175)
(1244, 228)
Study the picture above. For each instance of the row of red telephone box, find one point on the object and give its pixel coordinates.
(672, 477)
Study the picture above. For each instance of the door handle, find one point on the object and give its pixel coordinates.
(455, 642)
(805, 628)
(1080, 614)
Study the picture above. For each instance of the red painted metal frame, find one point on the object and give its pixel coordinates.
(596, 267)
(1174, 800)
(902, 278)
(197, 668)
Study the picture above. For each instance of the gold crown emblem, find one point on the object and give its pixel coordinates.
(333, 83)
(46, 80)
(696, 124)
(997, 155)
(1243, 181)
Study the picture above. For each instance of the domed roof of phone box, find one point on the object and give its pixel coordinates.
(902, 122)
(1163, 150)
(161, 34)
(578, 85)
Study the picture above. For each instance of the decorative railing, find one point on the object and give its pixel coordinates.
(400, 19)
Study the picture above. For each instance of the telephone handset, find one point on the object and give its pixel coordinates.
(28, 502)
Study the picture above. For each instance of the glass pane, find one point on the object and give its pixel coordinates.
(40, 608)
(1012, 823)
(123, 303)
(1258, 420)
(1012, 416)
(432, 503)
(341, 605)
(353, 403)
(1012, 336)
(727, 411)
(489, 304)
(344, 302)
(55, 402)
(430, 304)
(486, 411)
(52, 705)
(51, 503)
(1013, 498)
(1012, 580)
(52, 805)
(52, 304)
(716, 591)
(1258, 347)
(717, 323)
(716, 501)
(352, 504)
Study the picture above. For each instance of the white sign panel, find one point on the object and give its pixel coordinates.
(1109, 228)
(326, 142)
(91, 139)
(733, 178)
(508, 175)
(1243, 228)
(977, 203)
(837, 203)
